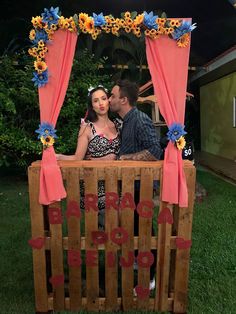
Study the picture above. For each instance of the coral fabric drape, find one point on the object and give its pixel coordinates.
(59, 60)
(168, 65)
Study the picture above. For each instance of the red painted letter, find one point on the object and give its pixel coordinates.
(129, 262)
(141, 209)
(149, 259)
(123, 235)
(91, 258)
(99, 237)
(74, 259)
(91, 202)
(54, 215)
(127, 201)
(73, 209)
(112, 200)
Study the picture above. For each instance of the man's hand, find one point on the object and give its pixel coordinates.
(143, 155)
(126, 157)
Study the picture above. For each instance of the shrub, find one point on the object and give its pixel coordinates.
(19, 108)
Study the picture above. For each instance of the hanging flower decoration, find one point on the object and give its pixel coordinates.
(47, 134)
(40, 79)
(145, 23)
(181, 33)
(176, 135)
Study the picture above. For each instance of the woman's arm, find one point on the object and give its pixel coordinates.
(82, 145)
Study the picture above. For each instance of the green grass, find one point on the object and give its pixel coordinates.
(212, 285)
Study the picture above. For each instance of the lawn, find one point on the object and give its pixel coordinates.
(212, 286)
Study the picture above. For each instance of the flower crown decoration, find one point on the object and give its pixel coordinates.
(91, 88)
(144, 24)
(176, 135)
(47, 134)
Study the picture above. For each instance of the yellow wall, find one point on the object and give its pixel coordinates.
(218, 136)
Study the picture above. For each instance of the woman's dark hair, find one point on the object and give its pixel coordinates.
(91, 114)
(128, 89)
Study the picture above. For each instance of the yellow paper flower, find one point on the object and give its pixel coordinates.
(161, 21)
(40, 66)
(37, 21)
(172, 23)
(127, 29)
(129, 21)
(183, 41)
(177, 23)
(41, 44)
(53, 27)
(32, 52)
(89, 25)
(127, 15)
(139, 19)
(180, 143)
(47, 141)
(42, 54)
(83, 17)
(32, 34)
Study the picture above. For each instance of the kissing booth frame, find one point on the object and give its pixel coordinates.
(177, 184)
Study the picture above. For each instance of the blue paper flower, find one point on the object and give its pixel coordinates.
(40, 35)
(46, 129)
(184, 28)
(50, 16)
(176, 130)
(99, 20)
(40, 79)
(150, 20)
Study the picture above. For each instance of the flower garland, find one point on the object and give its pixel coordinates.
(145, 23)
(47, 134)
(176, 135)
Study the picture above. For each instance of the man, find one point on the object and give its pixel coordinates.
(139, 139)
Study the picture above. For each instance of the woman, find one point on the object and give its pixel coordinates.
(98, 136)
(98, 139)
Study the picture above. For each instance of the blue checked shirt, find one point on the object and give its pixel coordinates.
(138, 133)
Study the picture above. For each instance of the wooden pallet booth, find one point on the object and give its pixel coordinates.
(76, 265)
(58, 277)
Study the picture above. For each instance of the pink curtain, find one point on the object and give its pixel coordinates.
(59, 60)
(168, 65)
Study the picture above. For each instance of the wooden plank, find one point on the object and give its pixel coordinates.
(37, 230)
(173, 252)
(111, 222)
(127, 222)
(102, 303)
(91, 224)
(102, 246)
(57, 260)
(145, 233)
(184, 231)
(74, 241)
(163, 260)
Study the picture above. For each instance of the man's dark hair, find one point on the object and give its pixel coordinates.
(128, 89)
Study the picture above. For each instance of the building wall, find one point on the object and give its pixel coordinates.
(218, 136)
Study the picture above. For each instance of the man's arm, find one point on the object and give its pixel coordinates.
(143, 155)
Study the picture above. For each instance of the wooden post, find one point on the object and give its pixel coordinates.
(127, 222)
(184, 231)
(163, 261)
(37, 230)
(91, 224)
(145, 233)
(57, 260)
(111, 222)
(74, 241)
